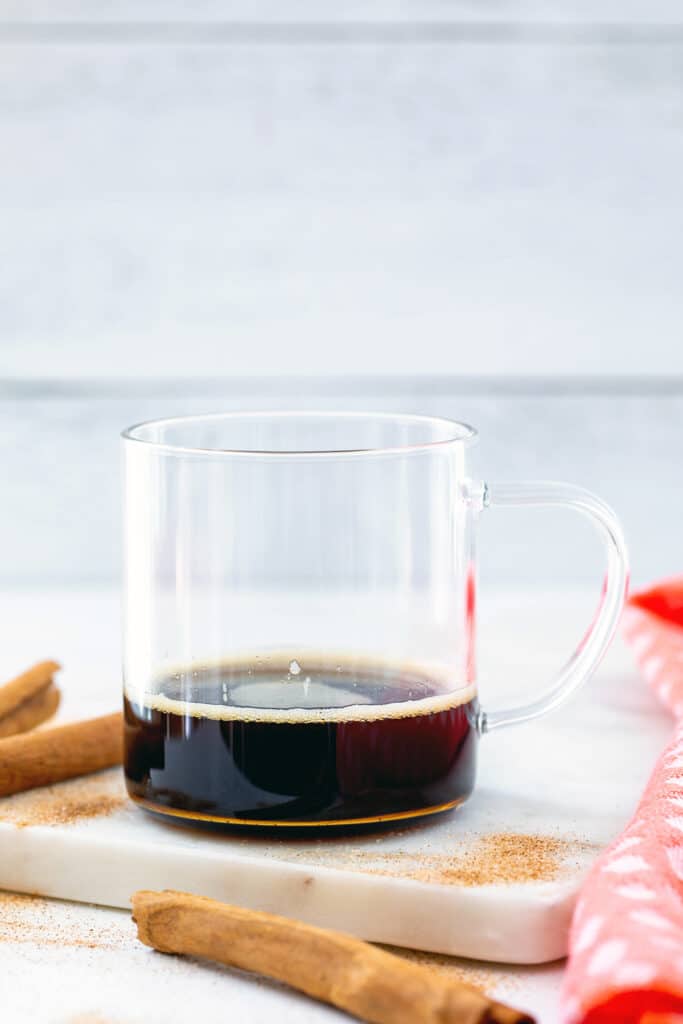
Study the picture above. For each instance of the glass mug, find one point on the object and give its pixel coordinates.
(299, 623)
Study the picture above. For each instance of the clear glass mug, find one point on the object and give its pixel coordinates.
(299, 623)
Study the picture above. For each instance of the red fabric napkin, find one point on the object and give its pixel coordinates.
(626, 941)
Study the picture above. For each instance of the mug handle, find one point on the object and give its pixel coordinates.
(594, 644)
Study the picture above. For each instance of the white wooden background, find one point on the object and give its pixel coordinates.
(470, 208)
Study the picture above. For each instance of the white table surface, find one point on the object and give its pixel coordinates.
(65, 963)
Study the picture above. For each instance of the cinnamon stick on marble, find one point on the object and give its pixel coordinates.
(29, 699)
(63, 752)
(355, 976)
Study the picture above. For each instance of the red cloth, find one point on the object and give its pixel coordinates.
(626, 941)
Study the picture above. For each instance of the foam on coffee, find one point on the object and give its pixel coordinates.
(316, 691)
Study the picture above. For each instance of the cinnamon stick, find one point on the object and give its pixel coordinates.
(29, 699)
(355, 976)
(63, 752)
(31, 712)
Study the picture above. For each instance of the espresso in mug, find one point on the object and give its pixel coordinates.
(278, 741)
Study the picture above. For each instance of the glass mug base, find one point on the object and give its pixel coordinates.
(403, 749)
(214, 821)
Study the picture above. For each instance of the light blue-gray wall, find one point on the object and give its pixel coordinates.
(471, 209)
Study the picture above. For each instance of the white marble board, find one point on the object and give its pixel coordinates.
(572, 779)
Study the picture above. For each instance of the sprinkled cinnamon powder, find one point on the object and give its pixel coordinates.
(67, 811)
(44, 922)
(92, 796)
(506, 858)
(503, 858)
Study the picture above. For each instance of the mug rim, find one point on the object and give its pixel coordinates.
(456, 432)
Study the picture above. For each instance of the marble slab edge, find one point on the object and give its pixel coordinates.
(507, 923)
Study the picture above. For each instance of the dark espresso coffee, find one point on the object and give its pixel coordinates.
(289, 744)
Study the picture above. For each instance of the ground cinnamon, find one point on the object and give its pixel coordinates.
(29, 699)
(64, 752)
(355, 976)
